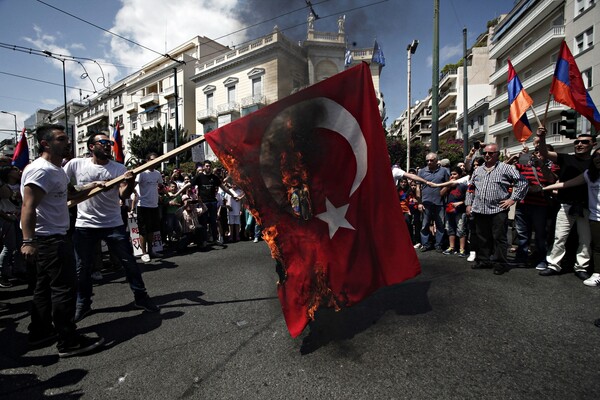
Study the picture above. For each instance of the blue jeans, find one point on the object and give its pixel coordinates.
(432, 212)
(528, 219)
(117, 240)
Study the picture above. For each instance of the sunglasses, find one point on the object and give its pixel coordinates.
(431, 160)
(489, 153)
(586, 141)
(104, 142)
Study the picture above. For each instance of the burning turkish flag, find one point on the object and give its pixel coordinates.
(316, 173)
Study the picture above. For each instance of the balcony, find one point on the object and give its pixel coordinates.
(533, 83)
(447, 113)
(149, 100)
(131, 108)
(554, 110)
(209, 114)
(549, 40)
(447, 97)
(258, 100)
(94, 118)
(529, 18)
(448, 132)
(168, 92)
(150, 124)
(228, 108)
(117, 107)
(447, 76)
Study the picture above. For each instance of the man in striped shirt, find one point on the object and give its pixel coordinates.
(488, 199)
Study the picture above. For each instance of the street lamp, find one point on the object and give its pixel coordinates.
(410, 51)
(15, 116)
(62, 60)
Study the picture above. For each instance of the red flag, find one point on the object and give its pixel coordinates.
(518, 101)
(316, 173)
(568, 88)
(118, 144)
(21, 156)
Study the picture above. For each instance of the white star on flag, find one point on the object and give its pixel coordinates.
(335, 217)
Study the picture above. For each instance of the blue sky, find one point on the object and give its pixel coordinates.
(161, 25)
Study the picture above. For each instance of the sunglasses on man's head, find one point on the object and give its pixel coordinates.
(104, 142)
(584, 141)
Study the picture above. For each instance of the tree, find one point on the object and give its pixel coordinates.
(452, 149)
(397, 152)
(151, 141)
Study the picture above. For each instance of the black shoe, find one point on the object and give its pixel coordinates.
(81, 313)
(5, 283)
(425, 248)
(597, 323)
(583, 275)
(146, 303)
(548, 272)
(499, 270)
(480, 265)
(39, 340)
(81, 344)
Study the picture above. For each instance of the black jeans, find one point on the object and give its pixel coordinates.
(54, 296)
(491, 231)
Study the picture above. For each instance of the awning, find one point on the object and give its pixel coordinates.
(149, 109)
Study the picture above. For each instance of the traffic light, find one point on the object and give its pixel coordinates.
(569, 122)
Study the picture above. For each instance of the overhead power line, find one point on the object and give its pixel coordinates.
(42, 81)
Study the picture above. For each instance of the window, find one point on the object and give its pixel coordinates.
(504, 143)
(210, 101)
(584, 40)
(172, 109)
(582, 6)
(587, 78)
(559, 20)
(231, 94)
(257, 86)
(118, 100)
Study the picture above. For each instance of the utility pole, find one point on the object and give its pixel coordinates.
(176, 116)
(435, 81)
(465, 97)
(410, 51)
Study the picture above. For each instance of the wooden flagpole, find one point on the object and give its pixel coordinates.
(536, 117)
(139, 169)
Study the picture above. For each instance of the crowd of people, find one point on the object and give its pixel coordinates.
(463, 211)
(544, 196)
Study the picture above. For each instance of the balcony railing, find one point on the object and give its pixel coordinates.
(94, 118)
(131, 107)
(150, 124)
(206, 115)
(149, 100)
(531, 84)
(226, 108)
(549, 40)
(169, 92)
(253, 100)
(503, 126)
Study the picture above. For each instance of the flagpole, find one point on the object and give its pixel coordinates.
(535, 115)
(139, 169)
(547, 107)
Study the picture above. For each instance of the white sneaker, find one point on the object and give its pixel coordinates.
(96, 275)
(145, 258)
(417, 246)
(255, 240)
(471, 257)
(541, 266)
(593, 280)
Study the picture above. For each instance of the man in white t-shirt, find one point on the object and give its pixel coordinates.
(148, 214)
(45, 221)
(99, 218)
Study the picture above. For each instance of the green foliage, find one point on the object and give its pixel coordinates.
(151, 141)
(451, 149)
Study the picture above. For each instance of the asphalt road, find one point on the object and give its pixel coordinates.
(451, 333)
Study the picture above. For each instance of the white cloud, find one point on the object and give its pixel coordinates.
(151, 23)
(448, 54)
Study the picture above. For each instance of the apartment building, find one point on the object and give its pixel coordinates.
(267, 69)
(147, 97)
(530, 35)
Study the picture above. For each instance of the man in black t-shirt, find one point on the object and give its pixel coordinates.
(208, 184)
(573, 204)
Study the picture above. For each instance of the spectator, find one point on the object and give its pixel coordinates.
(488, 200)
(234, 208)
(573, 204)
(532, 212)
(432, 204)
(99, 218)
(192, 230)
(456, 221)
(170, 223)
(149, 183)
(10, 213)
